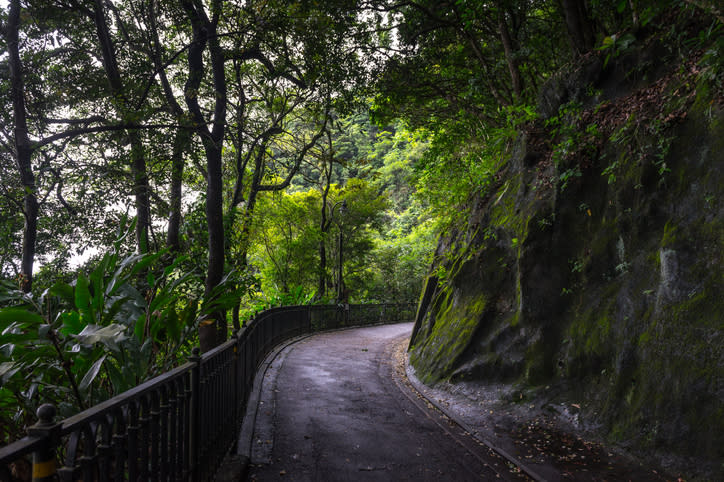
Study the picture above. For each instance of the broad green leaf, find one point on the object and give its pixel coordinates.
(83, 298)
(110, 335)
(8, 369)
(6, 350)
(188, 315)
(19, 315)
(140, 327)
(14, 328)
(91, 374)
(119, 279)
(43, 331)
(155, 324)
(117, 380)
(146, 350)
(110, 312)
(64, 291)
(96, 281)
(146, 262)
(163, 298)
(32, 391)
(72, 323)
(173, 324)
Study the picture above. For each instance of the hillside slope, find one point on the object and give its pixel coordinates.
(594, 263)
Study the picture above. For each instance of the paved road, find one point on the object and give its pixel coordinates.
(334, 407)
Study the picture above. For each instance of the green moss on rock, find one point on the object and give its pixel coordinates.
(452, 332)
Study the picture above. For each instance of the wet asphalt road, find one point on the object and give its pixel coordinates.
(333, 408)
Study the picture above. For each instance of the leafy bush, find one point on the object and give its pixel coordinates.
(133, 317)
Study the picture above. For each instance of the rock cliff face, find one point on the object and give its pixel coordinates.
(594, 263)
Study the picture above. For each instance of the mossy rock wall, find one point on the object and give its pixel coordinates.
(612, 284)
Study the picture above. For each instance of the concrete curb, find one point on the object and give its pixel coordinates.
(244, 445)
(420, 388)
(236, 464)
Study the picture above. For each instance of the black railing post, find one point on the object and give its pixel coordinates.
(237, 373)
(195, 415)
(44, 458)
(309, 319)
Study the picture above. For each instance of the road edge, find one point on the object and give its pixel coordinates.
(418, 387)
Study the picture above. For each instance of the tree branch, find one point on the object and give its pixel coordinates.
(298, 161)
(255, 53)
(90, 130)
(87, 120)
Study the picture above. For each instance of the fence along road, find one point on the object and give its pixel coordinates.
(179, 425)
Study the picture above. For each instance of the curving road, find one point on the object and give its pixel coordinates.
(335, 406)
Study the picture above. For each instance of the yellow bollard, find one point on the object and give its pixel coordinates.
(44, 458)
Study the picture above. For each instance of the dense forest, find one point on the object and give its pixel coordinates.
(169, 168)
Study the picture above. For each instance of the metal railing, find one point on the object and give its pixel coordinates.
(181, 424)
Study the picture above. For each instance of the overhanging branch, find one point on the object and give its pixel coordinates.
(90, 130)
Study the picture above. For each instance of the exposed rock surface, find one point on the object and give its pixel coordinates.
(598, 269)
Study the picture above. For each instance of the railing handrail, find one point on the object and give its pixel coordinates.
(19, 448)
(154, 430)
(69, 424)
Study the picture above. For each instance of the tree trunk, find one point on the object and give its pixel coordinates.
(23, 149)
(578, 24)
(140, 191)
(247, 221)
(138, 160)
(214, 216)
(213, 332)
(324, 225)
(478, 51)
(322, 286)
(515, 77)
(181, 138)
(177, 170)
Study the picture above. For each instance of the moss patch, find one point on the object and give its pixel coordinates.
(455, 324)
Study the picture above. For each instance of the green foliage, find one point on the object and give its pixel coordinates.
(712, 39)
(460, 163)
(400, 262)
(452, 65)
(614, 46)
(129, 319)
(287, 239)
